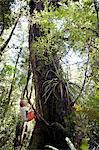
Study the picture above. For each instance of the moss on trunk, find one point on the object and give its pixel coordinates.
(53, 110)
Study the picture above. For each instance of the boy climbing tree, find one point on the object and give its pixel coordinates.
(26, 111)
(26, 114)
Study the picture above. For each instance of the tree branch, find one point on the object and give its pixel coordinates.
(93, 30)
(28, 78)
(2, 23)
(85, 75)
(13, 80)
(84, 27)
(7, 41)
(31, 89)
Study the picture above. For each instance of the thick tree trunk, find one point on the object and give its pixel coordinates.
(52, 133)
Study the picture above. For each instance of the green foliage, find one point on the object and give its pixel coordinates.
(5, 15)
(8, 119)
(79, 20)
(92, 106)
(85, 145)
(59, 84)
(71, 25)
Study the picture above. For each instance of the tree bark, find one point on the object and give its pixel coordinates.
(54, 132)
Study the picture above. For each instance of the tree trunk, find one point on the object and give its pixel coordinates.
(54, 132)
